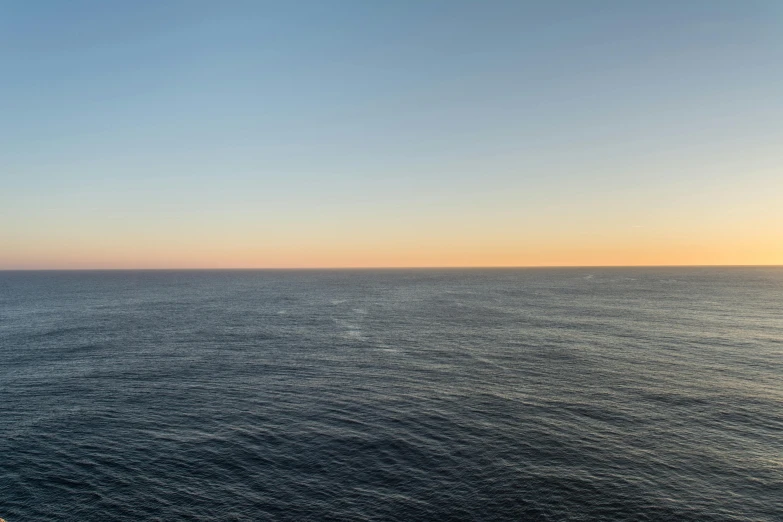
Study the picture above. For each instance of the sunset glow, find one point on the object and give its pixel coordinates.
(371, 136)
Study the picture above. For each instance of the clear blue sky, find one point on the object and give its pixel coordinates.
(357, 133)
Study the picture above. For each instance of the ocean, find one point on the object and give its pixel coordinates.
(392, 395)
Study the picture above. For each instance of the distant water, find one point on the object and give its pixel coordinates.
(568, 394)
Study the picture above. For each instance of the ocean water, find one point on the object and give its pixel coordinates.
(508, 394)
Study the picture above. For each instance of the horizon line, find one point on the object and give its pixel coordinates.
(475, 267)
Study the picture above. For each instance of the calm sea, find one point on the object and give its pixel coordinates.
(508, 394)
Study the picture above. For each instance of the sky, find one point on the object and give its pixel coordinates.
(337, 133)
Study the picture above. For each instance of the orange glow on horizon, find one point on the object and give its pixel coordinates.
(105, 257)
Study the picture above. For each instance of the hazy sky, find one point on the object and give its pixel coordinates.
(390, 133)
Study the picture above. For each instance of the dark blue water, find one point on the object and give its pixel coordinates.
(569, 394)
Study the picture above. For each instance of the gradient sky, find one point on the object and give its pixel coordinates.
(148, 134)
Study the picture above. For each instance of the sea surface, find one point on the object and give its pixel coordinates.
(505, 394)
